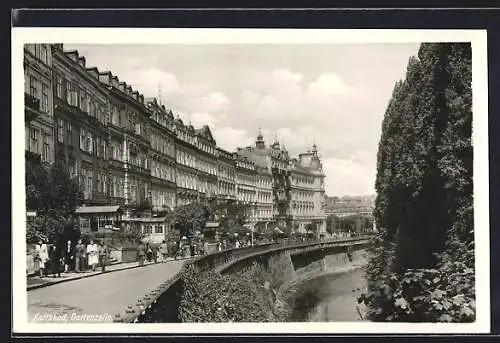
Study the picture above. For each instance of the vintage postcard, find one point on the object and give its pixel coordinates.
(199, 181)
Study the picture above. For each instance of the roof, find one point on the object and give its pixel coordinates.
(257, 157)
(147, 219)
(97, 209)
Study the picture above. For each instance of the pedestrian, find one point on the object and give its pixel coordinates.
(93, 255)
(79, 257)
(201, 248)
(237, 244)
(154, 252)
(191, 249)
(103, 256)
(43, 257)
(149, 252)
(163, 251)
(55, 260)
(69, 256)
(141, 252)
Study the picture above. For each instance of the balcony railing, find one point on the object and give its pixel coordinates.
(31, 102)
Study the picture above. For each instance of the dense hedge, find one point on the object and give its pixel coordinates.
(247, 296)
(422, 261)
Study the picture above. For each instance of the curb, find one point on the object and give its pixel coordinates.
(48, 284)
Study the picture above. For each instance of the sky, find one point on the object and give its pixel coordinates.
(334, 95)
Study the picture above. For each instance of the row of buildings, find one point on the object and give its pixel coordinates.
(130, 152)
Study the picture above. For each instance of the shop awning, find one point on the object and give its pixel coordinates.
(211, 225)
(146, 219)
(278, 230)
(96, 209)
(250, 227)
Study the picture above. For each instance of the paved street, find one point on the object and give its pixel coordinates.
(105, 294)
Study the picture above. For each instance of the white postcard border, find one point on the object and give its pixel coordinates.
(253, 36)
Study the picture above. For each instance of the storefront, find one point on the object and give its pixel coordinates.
(153, 229)
(99, 218)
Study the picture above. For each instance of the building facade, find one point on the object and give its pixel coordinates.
(132, 152)
(290, 192)
(162, 157)
(307, 206)
(81, 124)
(226, 175)
(38, 102)
(129, 144)
(246, 179)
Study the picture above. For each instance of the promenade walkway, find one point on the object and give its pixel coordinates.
(100, 296)
(96, 296)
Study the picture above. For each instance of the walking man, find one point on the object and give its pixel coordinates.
(79, 256)
(103, 256)
(141, 252)
(69, 256)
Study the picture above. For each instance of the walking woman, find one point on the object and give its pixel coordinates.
(42, 257)
(93, 254)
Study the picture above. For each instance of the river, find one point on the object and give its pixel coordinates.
(330, 298)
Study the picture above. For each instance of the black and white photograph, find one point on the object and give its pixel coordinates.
(197, 180)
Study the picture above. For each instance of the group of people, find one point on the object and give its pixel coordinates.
(52, 259)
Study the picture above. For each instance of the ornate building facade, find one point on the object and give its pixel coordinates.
(132, 152)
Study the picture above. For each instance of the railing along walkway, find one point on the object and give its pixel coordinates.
(221, 261)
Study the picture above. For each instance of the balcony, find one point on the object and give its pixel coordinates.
(31, 107)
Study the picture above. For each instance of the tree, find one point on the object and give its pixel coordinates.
(423, 207)
(54, 196)
(190, 218)
(231, 215)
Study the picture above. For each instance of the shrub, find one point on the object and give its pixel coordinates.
(212, 297)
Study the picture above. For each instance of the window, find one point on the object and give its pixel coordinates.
(104, 184)
(45, 98)
(83, 101)
(147, 229)
(98, 183)
(90, 183)
(69, 95)
(82, 139)
(59, 87)
(44, 54)
(34, 141)
(69, 128)
(115, 116)
(74, 100)
(103, 149)
(60, 130)
(84, 224)
(158, 228)
(46, 148)
(72, 169)
(33, 89)
(89, 143)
